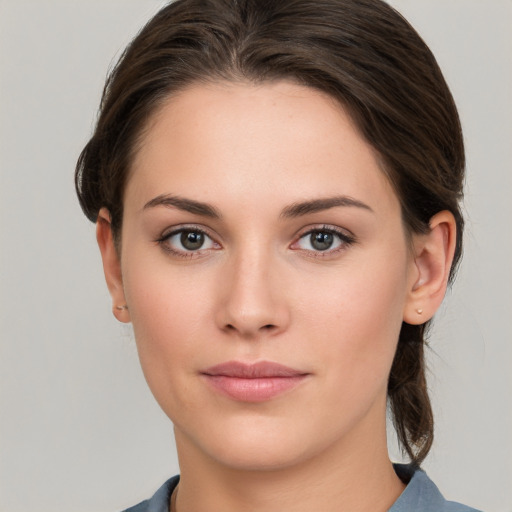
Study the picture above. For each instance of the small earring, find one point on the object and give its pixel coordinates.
(120, 308)
(419, 311)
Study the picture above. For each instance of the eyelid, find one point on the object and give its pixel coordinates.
(172, 230)
(342, 232)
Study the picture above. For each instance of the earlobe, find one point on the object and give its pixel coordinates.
(433, 257)
(111, 265)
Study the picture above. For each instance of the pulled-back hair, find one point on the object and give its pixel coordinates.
(362, 53)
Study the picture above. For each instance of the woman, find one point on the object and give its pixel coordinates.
(275, 186)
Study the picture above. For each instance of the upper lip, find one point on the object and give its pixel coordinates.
(259, 370)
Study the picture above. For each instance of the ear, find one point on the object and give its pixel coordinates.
(433, 257)
(111, 265)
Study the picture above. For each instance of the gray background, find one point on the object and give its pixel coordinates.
(79, 431)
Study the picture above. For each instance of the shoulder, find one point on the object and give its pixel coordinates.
(159, 502)
(422, 495)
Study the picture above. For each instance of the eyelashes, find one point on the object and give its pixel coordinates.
(194, 242)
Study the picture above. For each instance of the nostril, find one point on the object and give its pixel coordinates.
(267, 327)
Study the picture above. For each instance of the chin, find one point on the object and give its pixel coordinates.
(260, 454)
(258, 444)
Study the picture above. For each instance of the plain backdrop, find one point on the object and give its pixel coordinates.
(79, 431)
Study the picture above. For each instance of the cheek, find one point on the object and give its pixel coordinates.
(168, 311)
(163, 296)
(356, 319)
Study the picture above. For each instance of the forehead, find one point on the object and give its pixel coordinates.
(273, 141)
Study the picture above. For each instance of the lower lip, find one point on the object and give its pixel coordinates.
(253, 390)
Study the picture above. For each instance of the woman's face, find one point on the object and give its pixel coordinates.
(260, 234)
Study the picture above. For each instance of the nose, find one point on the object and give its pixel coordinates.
(252, 300)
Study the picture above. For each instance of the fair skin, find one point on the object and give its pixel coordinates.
(322, 288)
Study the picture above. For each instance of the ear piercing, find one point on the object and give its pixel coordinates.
(419, 311)
(120, 308)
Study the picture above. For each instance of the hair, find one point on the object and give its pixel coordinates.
(364, 54)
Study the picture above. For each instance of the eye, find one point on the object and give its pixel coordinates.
(191, 240)
(187, 241)
(325, 240)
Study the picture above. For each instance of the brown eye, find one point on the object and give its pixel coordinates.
(192, 240)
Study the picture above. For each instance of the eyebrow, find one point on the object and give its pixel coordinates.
(187, 205)
(292, 211)
(318, 205)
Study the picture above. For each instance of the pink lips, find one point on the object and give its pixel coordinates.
(256, 382)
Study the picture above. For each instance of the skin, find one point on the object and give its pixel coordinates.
(259, 291)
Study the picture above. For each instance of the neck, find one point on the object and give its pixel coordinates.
(355, 475)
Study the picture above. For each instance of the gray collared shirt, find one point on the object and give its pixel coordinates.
(420, 495)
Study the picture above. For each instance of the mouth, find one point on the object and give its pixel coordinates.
(256, 382)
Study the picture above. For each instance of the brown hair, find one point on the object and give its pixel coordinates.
(361, 52)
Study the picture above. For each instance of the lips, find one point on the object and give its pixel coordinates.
(256, 382)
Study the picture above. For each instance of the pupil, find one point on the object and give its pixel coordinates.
(322, 241)
(192, 240)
